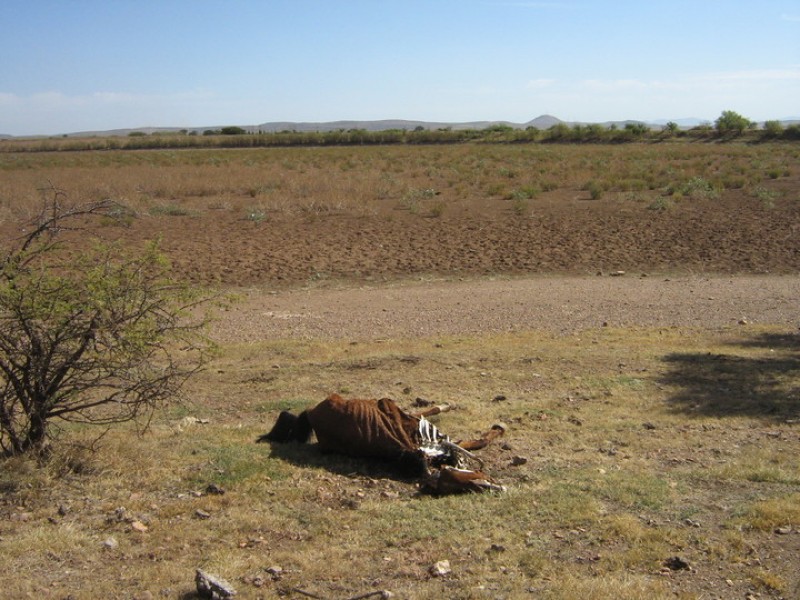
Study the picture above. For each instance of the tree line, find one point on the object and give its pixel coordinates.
(729, 126)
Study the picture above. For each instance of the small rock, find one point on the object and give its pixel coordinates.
(275, 572)
(440, 569)
(497, 548)
(518, 461)
(783, 530)
(691, 523)
(189, 421)
(211, 586)
(139, 526)
(63, 510)
(617, 273)
(22, 517)
(202, 514)
(743, 321)
(648, 425)
(676, 563)
(499, 398)
(214, 489)
(575, 421)
(110, 543)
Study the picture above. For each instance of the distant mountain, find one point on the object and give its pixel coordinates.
(543, 122)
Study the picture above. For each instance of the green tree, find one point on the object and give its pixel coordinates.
(559, 132)
(637, 129)
(97, 337)
(773, 129)
(595, 132)
(730, 122)
(671, 128)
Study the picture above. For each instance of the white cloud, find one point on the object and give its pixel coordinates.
(756, 75)
(697, 83)
(792, 18)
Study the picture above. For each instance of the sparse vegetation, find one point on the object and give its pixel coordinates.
(86, 339)
(629, 447)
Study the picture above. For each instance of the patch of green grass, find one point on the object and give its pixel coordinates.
(290, 404)
(661, 204)
(256, 214)
(526, 192)
(632, 490)
(696, 188)
(233, 464)
(170, 210)
(595, 188)
(765, 196)
(120, 216)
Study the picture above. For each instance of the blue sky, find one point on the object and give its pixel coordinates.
(78, 65)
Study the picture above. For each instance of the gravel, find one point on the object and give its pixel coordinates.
(562, 305)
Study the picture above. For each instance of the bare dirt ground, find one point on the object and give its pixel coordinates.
(481, 266)
(556, 304)
(562, 231)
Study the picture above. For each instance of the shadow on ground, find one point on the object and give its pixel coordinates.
(309, 456)
(738, 383)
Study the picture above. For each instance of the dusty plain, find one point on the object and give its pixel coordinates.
(631, 312)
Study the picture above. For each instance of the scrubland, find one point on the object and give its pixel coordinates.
(642, 459)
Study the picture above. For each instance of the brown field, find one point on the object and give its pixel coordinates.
(652, 415)
(278, 216)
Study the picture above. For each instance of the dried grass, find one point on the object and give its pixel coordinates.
(601, 503)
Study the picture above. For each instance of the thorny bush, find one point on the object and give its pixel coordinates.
(103, 337)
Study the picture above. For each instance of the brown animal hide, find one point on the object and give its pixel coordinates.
(370, 428)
